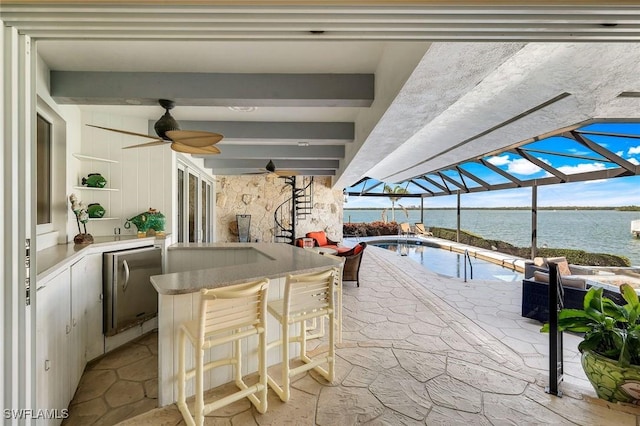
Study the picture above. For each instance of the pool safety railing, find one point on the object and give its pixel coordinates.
(556, 303)
(467, 258)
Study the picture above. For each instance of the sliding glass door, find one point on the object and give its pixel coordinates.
(195, 204)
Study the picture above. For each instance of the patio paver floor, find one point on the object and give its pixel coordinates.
(412, 355)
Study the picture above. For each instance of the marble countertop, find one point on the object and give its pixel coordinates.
(53, 258)
(279, 260)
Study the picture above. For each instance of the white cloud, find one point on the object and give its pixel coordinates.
(634, 150)
(523, 167)
(499, 161)
(634, 161)
(582, 168)
(620, 153)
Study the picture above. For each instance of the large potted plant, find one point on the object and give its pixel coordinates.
(611, 346)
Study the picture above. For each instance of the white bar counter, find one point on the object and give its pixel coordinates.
(193, 266)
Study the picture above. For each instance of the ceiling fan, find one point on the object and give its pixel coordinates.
(168, 132)
(270, 170)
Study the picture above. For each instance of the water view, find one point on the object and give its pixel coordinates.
(598, 231)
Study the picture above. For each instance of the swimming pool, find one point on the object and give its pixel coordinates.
(450, 263)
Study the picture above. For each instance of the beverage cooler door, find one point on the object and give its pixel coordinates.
(131, 298)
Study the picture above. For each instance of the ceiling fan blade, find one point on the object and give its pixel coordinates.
(126, 132)
(286, 173)
(194, 137)
(142, 145)
(180, 147)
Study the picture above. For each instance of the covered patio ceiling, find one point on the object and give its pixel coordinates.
(584, 152)
(389, 90)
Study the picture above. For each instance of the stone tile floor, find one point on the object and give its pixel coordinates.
(418, 348)
(118, 386)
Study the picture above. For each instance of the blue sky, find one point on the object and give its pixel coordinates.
(552, 151)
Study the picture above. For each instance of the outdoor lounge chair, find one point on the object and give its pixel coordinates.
(420, 230)
(405, 229)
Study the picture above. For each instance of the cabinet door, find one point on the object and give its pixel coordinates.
(78, 334)
(94, 315)
(52, 344)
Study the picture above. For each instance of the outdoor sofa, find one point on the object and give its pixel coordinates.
(535, 288)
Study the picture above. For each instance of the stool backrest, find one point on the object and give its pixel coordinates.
(238, 308)
(309, 294)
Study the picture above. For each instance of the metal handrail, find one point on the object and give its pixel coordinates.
(556, 303)
(467, 257)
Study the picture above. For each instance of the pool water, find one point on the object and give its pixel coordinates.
(450, 263)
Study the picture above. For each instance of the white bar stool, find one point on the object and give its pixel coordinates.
(316, 329)
(227, 314)
(306, 296)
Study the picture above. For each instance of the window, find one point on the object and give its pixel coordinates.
(43, 171)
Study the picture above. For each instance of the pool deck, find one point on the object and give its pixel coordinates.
(421, 348)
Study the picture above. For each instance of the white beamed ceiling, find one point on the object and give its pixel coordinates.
(443, 75)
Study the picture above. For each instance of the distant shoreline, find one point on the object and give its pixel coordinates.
(623, 208)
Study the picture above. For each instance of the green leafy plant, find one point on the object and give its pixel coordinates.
(610, 330)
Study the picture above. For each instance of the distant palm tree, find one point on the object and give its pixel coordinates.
(395, 194)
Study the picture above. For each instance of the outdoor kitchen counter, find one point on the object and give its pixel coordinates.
(193, 266)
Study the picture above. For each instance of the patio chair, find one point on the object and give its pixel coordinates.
(353, 258)
(420, 230)
(405, 229)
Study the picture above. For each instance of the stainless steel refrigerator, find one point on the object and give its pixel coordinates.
(130, 298)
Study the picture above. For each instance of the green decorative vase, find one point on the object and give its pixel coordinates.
(611, 381)
(94, 180)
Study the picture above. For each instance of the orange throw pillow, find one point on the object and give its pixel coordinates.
(319, 236)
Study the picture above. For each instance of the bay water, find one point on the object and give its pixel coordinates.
(596, 231)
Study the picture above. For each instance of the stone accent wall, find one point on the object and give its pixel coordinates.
(261, 195)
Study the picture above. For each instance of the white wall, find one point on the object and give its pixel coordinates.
(142, 176)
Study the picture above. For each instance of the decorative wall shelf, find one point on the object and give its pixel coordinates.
(91, 219)
(95, 189)
(83, 157)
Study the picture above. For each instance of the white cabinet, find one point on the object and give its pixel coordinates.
(86, 337)
(52, 345)
(92, 286)
(68, 329)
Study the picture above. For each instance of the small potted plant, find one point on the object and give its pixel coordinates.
(611, 346)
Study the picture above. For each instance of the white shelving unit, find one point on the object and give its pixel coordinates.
(83, 157)
(95, 189)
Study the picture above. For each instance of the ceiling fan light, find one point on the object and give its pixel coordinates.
(166, 124)
(270, 166)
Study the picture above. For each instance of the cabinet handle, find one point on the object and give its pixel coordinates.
(125, 265)
(68, 328)
(47, 365)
